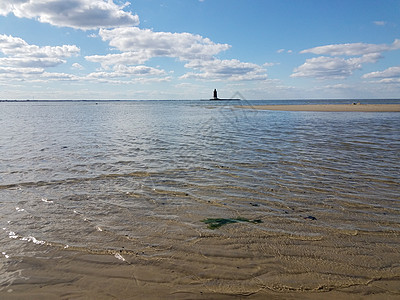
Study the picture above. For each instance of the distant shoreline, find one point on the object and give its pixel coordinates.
(309, 101)
(34, 101)
(356, 107)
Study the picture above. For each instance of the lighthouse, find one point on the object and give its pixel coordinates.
(215, 97)
(215, 94)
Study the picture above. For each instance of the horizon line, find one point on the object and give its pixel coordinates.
(127, 100)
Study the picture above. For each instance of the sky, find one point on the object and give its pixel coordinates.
(183, 49)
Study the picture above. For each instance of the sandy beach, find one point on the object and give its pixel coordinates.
(330, 107)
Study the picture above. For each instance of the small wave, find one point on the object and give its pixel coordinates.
(76, 180)
(47, 201)
(13, 235)
(33, 240)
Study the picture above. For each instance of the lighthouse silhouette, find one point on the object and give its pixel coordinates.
(215, 94)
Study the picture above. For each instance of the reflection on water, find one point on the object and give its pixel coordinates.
(106, 200)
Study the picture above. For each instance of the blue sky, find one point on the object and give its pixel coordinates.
(183, 49)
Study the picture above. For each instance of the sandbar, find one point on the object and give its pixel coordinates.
(329, 107)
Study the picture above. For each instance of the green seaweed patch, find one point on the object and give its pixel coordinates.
(218, 222)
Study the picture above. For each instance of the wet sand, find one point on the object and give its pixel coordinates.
(243, 264)
(331, 107)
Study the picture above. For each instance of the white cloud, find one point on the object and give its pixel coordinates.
(270, 64)
(138, 70)
(58, 76)
(31, 62)
(125, 71)
(17, 47)
(125, 58)
(140, 45)
(326, 67)
(80, 14)
(390, 80)
(353, 49)
(110, 78)
(22, 60)
(284, 50)
(20, 71)
(136, 46)
(146, 44)
(337, 67)
(77, 66)
(379, 23)
(389, 76)
(392, 72)
(225, 69)
(339, 86)
(32, 75)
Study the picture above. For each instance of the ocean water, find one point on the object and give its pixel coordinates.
(107, 200)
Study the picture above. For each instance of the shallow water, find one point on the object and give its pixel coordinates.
(105, 200)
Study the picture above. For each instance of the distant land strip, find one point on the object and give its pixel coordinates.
(356, 107)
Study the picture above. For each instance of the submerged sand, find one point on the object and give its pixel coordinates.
(330, 107)
(119, 214)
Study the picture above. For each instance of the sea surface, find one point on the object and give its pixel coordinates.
(109, 200)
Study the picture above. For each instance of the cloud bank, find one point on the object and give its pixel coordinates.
(137, 46)
(390, 75)
(354, 49)
(117, 28)
(335, 66)
(225, 69)
(140, 45)
(24, 59)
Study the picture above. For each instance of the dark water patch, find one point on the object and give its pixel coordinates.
(214, 223)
